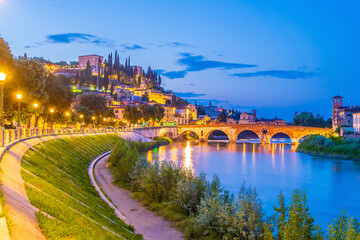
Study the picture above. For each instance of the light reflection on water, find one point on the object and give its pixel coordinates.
(331, 184)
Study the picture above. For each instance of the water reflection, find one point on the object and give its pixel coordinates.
(271, 168)
(188, 159)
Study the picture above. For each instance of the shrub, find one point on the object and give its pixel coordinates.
(189, 192)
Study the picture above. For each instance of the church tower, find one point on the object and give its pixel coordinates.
(337, 103)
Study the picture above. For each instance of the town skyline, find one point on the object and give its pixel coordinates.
(252, 73)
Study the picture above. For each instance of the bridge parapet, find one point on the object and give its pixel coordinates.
(264, 131)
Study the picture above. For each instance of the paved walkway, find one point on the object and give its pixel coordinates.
(146, 222)
(23, 221)
(24, 224)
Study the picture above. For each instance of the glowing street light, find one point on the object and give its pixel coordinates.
(52, 117)
(67, 114)
(19, 96)
(2, 83)
(35, 107)
(81, 123)
(93, 118)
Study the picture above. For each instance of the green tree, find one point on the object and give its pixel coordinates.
(59, 95)
(281, 214)
(300, 224)
(7, 64)
(29, 79)
(159, 112)
(132, 114)
(249, 222)
(146, 112)
(96, 104)
(88, 73)
(344, 228)
(308, 119)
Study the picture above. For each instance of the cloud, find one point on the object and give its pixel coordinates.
(70, 38)
(216, 102)
(175, 45)
(189, 84)
(189, 94)
(78, 38)
(175, 74)
(36, 44)
(278, 74)
(132, 47)
(195, 63)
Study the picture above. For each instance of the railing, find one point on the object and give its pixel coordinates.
(8, 136)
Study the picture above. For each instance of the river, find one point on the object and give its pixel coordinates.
(331, 184)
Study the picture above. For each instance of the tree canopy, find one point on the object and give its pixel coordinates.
(308, 119)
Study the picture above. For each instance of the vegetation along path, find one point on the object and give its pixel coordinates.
(146, 222)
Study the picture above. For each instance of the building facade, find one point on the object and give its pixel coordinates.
(356, 122)
(343, 115)
(94, 63)
(159, 97)
(246, 118)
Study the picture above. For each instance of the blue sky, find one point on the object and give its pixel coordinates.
(276, 56)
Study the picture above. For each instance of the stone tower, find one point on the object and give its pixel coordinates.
(337, 103)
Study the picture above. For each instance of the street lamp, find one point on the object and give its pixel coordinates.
(93, 118)
(35, 107)
(2, 82)
(19, 96)
(81, 117)
(67, 121)
(52, 117)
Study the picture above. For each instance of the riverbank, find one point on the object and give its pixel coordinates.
(334, 147)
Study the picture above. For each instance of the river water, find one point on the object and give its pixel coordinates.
(331, 184)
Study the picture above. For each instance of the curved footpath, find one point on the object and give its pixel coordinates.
(146, 222)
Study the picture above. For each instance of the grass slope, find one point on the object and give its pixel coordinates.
(57, 183)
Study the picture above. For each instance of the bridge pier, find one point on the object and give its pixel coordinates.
(294, 141)
(264, 139)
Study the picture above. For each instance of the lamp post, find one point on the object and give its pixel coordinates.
(2, 82)
(35, 107)
(81, 117)
(67, 121)
(93, 118)
(19, 96)
(52, 117)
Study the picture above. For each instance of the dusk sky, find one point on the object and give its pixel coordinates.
(275, 56)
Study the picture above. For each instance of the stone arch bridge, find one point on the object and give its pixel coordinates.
(264, 131)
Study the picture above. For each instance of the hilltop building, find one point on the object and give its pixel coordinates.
(93, 61)
(246, 118)
(343, 115)
(159, 97)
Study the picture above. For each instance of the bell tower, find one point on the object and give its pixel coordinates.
(337, 103)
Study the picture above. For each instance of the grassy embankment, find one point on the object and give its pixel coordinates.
(57, 183)
(331, 146)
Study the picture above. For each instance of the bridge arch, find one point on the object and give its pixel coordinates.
(216, 131)
(247, 134)
(281, 135)
(185, 133)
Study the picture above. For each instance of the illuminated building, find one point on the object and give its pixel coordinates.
(159, 97)
(93, 61)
